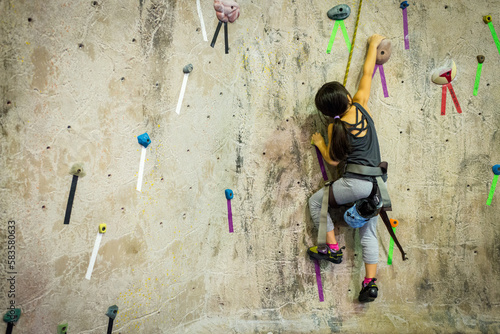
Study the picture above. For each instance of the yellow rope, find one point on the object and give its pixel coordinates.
(352, 44)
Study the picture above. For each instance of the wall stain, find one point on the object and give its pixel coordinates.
(239, 158)
(41, 62)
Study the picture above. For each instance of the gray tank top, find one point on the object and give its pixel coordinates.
(364, 150)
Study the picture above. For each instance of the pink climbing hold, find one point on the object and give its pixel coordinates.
(227, 10)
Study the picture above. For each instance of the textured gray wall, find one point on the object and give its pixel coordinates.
(167, 259)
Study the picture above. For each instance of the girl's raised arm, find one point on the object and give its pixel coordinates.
(363, 93)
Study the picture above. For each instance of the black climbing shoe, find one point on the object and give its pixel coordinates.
(369, 292)
(325, 253)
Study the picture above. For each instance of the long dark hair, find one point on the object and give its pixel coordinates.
(332, 100)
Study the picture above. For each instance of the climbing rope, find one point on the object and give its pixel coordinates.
(352, 44)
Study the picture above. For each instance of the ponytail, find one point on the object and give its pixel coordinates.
(340, 146)
(332, 100)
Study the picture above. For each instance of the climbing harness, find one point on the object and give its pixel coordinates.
(364, 209)
(377, 173)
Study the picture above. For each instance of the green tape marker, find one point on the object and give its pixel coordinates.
(394, 223)
(336, 26)
(480, 60)
(391, 249)
(488, 20)
(332, 37)
(346, 37)
(492, 190)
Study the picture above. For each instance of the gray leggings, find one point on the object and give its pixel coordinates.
(348, 190)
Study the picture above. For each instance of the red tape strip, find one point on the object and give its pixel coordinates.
(454, 98)
(443, 101)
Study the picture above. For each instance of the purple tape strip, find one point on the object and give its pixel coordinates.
(318, 280)
(230, 216)
(321, 164)
(382, 77)
(374, 70)
(405, 27)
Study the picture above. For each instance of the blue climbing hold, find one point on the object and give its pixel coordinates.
(403, 4)
(229, 194)
(144, 139)
(496, 169)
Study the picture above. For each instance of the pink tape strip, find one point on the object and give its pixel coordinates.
(318, 280)
(405, 27)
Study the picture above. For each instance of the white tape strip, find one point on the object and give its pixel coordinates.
(141, 169)
(94, 256)
(200, 14)
(181, 95)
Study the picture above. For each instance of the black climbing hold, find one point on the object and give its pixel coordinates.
(188, 68)
(339, 12)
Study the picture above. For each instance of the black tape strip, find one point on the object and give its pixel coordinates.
(10, 326)
(214, 39)
(387, 222)
(71, 197)
(226, 42)
(110, 326)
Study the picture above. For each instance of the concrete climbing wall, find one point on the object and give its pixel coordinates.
(80, 80)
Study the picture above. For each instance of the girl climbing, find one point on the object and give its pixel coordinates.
(351, 138)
